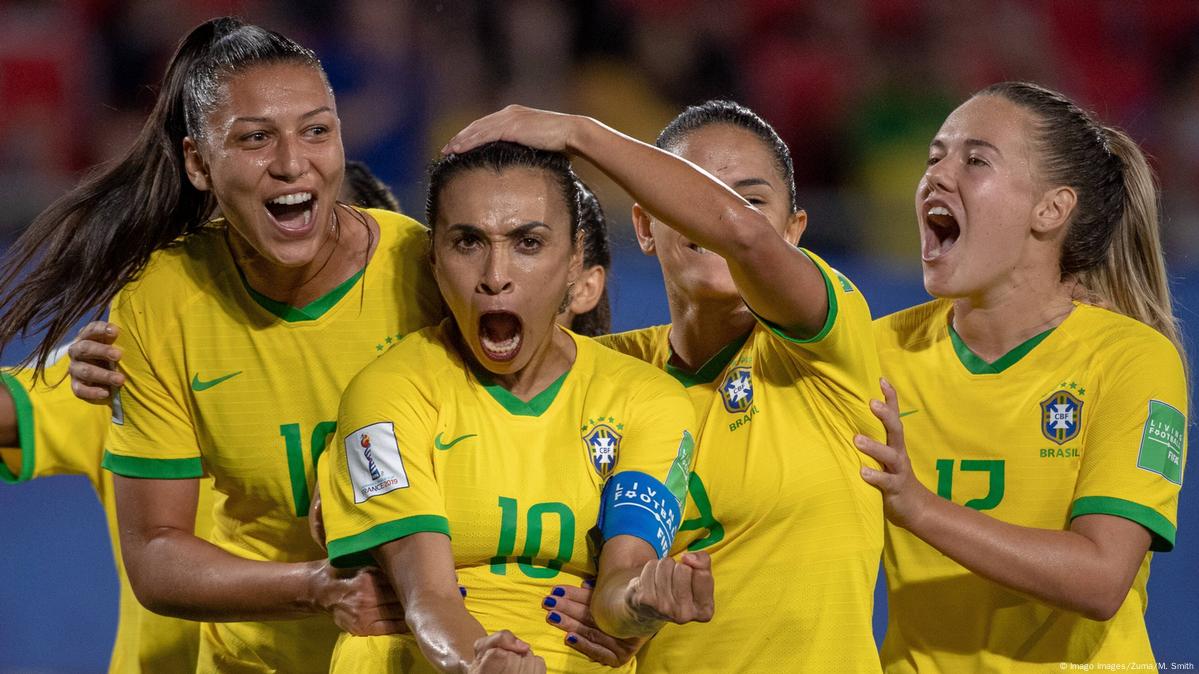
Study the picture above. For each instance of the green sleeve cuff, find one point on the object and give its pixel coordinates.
(156, 469)
(25, 431)
(1162, 530)
(829, 320)
(354, 551)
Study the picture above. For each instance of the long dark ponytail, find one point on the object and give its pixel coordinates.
(75, 256)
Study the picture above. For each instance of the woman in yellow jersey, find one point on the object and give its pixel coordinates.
(1043, 395)
(238, 336)
(775, 349)
(51, 432)
(481, 452)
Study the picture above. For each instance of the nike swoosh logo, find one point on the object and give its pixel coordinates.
(198, 385)
(909, 412)
(446, 445)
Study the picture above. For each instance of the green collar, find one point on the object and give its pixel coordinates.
(534, 407)
(977, 365)
(309, 312)
(709, 370)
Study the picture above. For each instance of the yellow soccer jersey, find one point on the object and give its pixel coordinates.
(226, 382)
(425, 445)
(777, 499)
(1087, 418)
(62, 435)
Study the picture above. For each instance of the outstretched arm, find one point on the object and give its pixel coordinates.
(1088, 568)
(776, 279)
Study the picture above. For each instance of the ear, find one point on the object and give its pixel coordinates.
(432, 259)
(645, 235)
(587, 290)
(194, 165)
(797, 224)
(1054, 210)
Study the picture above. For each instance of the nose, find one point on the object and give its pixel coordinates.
(289, 161)
(939, 176)
(497, 277)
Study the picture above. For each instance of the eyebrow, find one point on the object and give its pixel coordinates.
(969, 142)
(752, 182)
(266, 120)
(518, 231)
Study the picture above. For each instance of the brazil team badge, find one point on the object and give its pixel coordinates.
(1061, 417)
(737, 390)
(603, 444)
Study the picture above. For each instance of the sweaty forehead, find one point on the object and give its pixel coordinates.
(271, 91)
(499, 202)
(728, 152)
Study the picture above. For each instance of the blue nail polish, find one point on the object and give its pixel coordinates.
(550, 602)
(589, 584)
(555, 618)
(572, 639)
(462, 589)
(558, 592)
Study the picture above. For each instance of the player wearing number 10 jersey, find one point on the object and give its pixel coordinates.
(231, 384)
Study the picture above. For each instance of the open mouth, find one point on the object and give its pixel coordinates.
(293, 212)
(943, 232)
(500, 335)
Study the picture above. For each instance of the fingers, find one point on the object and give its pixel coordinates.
(502, 640)
(888, 413)
(888, 457)
(99, 331)
(703, 584)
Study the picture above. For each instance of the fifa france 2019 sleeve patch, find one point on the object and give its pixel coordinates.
(639, 505)
(1162, 441)
(373, 455)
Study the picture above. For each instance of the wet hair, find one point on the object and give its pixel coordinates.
(1113, 243)
(594, 226)
(76, 255)
(497, 157)
(696, 117)
(363, 188)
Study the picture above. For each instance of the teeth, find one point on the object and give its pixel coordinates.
(697, 248)
(292, 199)
(938, 210)
(502, 348)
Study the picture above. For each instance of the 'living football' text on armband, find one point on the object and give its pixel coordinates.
(637, 504)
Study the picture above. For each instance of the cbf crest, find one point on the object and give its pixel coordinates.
(602, 439)
(1061, 417)
(737, 390)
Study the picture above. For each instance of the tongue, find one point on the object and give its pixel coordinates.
(500, 327)
(291, 217)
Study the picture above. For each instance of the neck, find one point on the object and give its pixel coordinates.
(344, 253)
(701, 328)
(994, 323)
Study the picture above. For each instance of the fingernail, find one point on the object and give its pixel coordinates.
(550, 602)
(558, 592)
(109, 331)
(462, 589)
(859, 441)
(589, 583)
(572, 639)
(555, 618)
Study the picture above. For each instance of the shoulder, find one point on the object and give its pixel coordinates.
(1115, 339)
(398, 231)
(914, 328)
(642, 344)
(192, 268)
(420, 357)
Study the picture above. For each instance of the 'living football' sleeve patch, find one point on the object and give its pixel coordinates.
(637, 504)
(373, 456)
(1162, 441)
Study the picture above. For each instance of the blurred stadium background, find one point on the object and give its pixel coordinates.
(856, 87)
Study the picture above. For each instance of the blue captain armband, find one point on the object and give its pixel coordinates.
(636, 504)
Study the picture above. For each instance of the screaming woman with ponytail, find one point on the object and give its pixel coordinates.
(1043, 392)
(238, 335)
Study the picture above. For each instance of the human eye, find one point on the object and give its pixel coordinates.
(932, 159)
(976, 160)
(317, 131)
(466, 243)
(256, 138)
(529, 244)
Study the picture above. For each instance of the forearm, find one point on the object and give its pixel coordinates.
(1061, 568)
(179, 575)
(445, 631)
(674, 190)
(611, 609)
